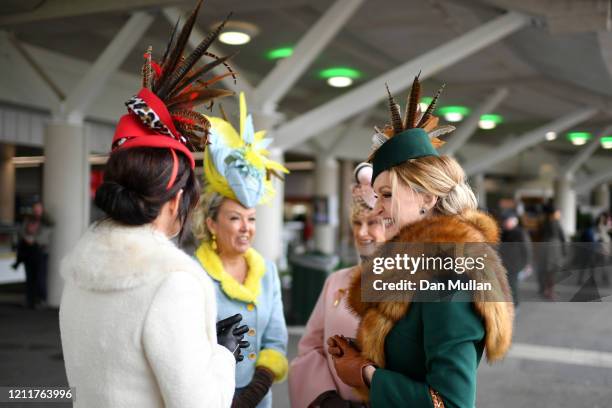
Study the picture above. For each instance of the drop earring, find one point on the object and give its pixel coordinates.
(213, 245)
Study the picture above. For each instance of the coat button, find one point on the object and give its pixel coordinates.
(251, 332)
(250, 307)
(252, 356)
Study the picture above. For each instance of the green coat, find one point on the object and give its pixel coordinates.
(436, 345)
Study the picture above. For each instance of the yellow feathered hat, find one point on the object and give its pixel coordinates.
(237, 165)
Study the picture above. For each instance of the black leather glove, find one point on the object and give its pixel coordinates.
(331, 399)
(230, 335)
(257, 389)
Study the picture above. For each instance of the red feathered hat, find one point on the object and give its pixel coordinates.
(149, 124)
(161, 114)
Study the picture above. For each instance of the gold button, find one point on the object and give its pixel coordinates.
(251, 332)
(250, 307)
(252, 356)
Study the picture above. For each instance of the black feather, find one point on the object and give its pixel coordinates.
(186, 65)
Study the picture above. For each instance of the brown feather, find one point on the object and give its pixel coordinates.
(412, 104)
(170, 43)
(431, 123)
(396, 119)
(195, 98)
(176, 52)
(147, 71)
(199, 72)
(223, 114)
(430, 108)
(185, 66)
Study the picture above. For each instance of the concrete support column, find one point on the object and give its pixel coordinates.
(478, 185)
(268, 239)
(602, 197)
(7, 184)
(565, 201)
(65, 194)
(326, 190)
(346, 203)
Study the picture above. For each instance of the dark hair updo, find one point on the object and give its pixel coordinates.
(135, 185)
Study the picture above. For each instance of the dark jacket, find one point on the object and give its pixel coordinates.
(517, 253)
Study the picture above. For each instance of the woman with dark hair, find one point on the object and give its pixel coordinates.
(423, 349)
(137, 317)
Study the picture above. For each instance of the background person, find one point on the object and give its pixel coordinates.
(515, 251)
(551, 254)
(313, 381)
(33, 252)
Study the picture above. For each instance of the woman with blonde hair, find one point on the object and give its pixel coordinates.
(312, 378)
(423, 350)
(237, 178)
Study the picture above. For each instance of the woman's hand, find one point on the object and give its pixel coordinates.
(230, 335)
(348, 361)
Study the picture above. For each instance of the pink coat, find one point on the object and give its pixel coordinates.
(312, 372)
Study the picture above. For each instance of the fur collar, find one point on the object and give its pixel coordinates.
(247, 292)
(378, 318)
(110, 257)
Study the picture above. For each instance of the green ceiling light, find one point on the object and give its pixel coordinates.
(424, 102)
(453, 113)
(578, 138)
(489, 121)
(339, 77)
(279, 53)
(606, 142)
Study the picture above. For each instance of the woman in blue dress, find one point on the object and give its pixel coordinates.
(236, 176)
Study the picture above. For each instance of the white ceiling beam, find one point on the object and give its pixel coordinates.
(586, 185)
(54, 9)
(470, 125)
(173, 14)
(583, 155)
(514, 146)
(90, 86)
(286, 73)
(400, 78)
(355, 127)
(24, 65)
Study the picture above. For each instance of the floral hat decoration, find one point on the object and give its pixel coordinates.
(236, 165)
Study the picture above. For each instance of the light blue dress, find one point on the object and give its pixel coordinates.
(259, 302)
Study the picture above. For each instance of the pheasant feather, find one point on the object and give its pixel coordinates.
(185, 66)
(396, 119)
(430, 109)
(412, 104)
(147, 70)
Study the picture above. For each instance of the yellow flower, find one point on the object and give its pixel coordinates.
(255, 159)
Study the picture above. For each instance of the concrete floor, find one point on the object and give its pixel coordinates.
(571, 368)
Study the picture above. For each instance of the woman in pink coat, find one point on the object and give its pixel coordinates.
(313, 381)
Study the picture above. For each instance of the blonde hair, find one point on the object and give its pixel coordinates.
(207, 207)
(441, 177)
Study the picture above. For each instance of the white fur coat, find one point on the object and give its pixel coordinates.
(137, 321)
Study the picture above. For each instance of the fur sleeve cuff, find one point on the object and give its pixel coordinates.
(275, 361)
